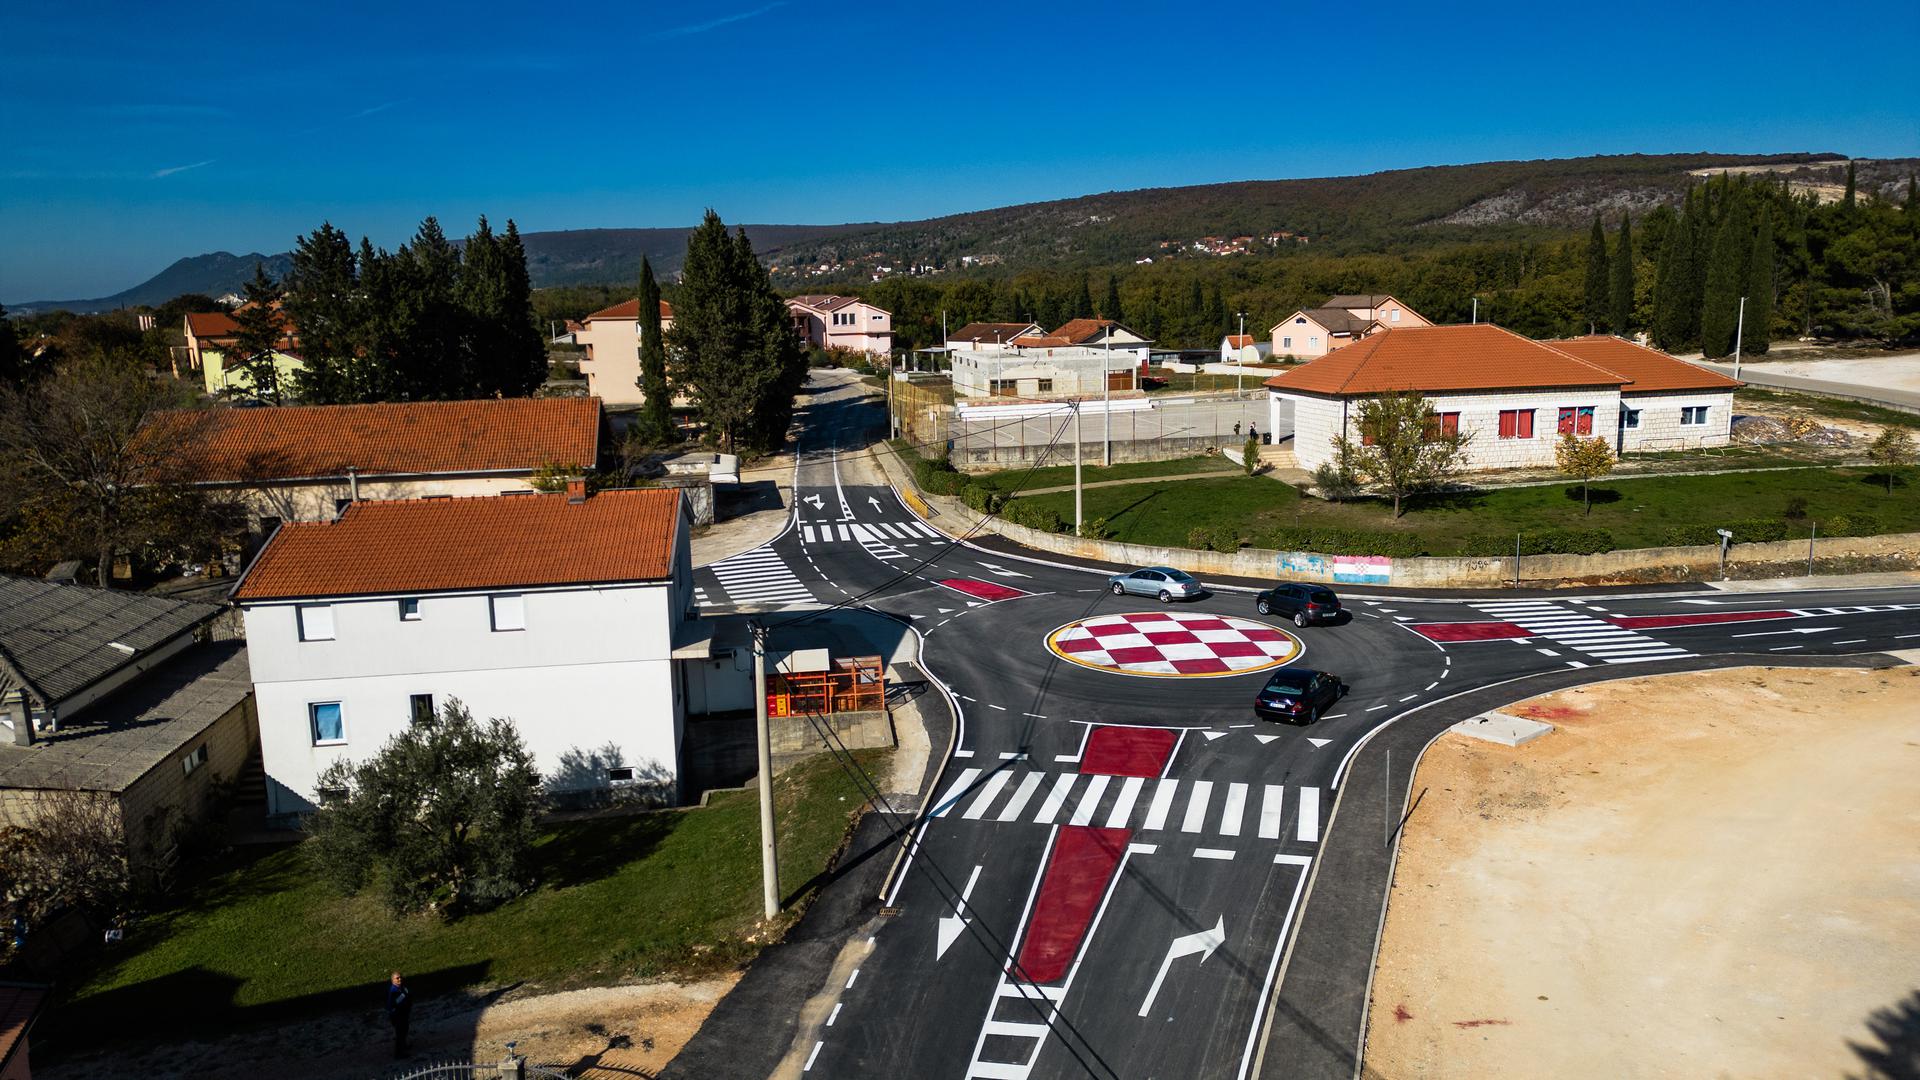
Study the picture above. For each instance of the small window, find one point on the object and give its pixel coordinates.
(1693, 416)
(420, 708)
(1045, 386)
(410, 609)
(1313, 343)
(1516, 423)
(316, 622)
(1629, 418)
(340, 506)
(329, 727)
(1396, 316)
(622, 775)
(1286, 343)
(1575, 420)
(1300, 322)
(195, 758)
(509, 613)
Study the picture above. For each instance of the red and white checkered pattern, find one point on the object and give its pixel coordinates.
(1173, 643)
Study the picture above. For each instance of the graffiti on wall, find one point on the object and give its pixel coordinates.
(1305, 565)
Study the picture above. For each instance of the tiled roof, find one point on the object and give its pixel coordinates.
(62, 639)
(1239, 341)
(991, 331)
(211, 324)
(1649, 370)
(295, 442)
(1442, 358)
(1041, 341)
(824, 301)
(1078, 331)
(628, 309)
(1352, 301)
(498, 541)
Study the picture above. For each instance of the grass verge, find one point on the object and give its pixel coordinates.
(260, 938)
(1055, 475)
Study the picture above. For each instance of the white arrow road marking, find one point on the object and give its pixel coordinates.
(1318, 743)
(1203, 943)
(1211, 735)
(1001, 570)
(1799, 630)
(951, 925)
(815, 501)
(1265, 739)
(946, 611)
(875, 502)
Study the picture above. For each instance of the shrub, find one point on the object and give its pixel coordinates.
(1335, 484)
(1200, 538)
(1335, 541)
(1751, 531)
(1033, 516)
(982, 498)
(1098, 529)
(1851, 525)
(935, 476)
(1543, 542)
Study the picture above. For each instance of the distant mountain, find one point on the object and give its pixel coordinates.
(563, 257)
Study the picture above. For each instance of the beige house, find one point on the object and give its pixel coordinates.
(1513, 396)
(308, 462)
(842, 322)
(1311, 333)
(612, 340)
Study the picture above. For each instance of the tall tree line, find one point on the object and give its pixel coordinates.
(430, 320)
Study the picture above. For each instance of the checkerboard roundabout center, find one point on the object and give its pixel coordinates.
(1173, 645)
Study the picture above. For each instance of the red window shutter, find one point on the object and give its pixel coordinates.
(1366, 439)
(1526, 423)
(1586, 420)
(1566, 421)
(1508, 418)
(1450, 423)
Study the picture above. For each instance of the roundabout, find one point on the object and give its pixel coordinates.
(1173, 645)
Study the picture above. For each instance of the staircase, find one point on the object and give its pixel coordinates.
(250, 785)
(1279, 455)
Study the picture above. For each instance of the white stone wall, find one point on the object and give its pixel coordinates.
(319, 500)
(1316, 421)
(1660, 427)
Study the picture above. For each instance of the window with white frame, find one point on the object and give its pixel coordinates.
(410, 609)
(420, 709)
(509, 612)
(328, 725)
(316, 622)
(1693, 415)
(194, 759)
(1313, 343)
(1286, 343)
(1629, 418)
(620, 774)
(1395, 317)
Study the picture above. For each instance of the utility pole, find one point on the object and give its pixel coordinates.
(1239, 372)
(1739, 327)
(891, 433)
(1076, 469)
(769, 864)
(1476, 310)
(1106, 403)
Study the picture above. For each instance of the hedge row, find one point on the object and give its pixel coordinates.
(1034, 516)
(934, 475)
(1330, 541)
(1764, 530)
(1544, 542)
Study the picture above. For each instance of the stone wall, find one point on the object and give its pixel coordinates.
(858, 730)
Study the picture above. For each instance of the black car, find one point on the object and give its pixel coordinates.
(1297, 695)
(1305, 604)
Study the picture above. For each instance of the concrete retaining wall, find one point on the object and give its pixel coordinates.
(990, 459)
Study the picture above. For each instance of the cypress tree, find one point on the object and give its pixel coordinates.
(1759, 288)
(1725, 277)
(1620, 315)
(12, 359)
(1597, 297)
(525, 349)
(656, 410)
(323, 300)
(1080, 305)
(482, 291)
(258, 337)
(1672, 279)
(430, 320)
(1847, 197)
(1111, 309)
(375, 373)
(735, 344)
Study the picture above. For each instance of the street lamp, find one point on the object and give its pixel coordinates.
(1239, 373)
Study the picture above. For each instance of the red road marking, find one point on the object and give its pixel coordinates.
(1699, 618)
(1470, 631)
(985, 590)
(1078, 870)
(1127, 751)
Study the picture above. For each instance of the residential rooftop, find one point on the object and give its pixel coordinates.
(1649, 370)
(453, 545)
(1479, 356)
(627, 309)
(61, 639)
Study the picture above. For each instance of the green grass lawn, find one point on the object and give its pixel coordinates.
(1182, 382)
(1638, 512)
(260, 938)
(1054, 475)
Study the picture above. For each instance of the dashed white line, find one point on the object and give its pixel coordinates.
(1431, 685)
(1410, 697)
(835, 1014)
(1212, 853)
(1377, 708)
(1785, 648)
(1002, 708)
(808, 1067)
(1035, 715)
(1333, 716)
(1855, 641)
(850, 978)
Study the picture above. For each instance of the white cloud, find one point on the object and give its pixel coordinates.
(182, 168)
(716, 23)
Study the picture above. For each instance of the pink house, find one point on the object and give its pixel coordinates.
(842, 322)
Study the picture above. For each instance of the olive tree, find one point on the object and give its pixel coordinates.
(1405, 447)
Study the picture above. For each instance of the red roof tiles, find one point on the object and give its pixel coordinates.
(211, 324)
(1239, 341)
(295, 442)
(628, 309)
(1442, 358)
(1648, 370)
(447, 545)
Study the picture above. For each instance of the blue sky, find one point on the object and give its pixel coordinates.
(134, 135)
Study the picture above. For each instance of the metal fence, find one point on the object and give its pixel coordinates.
(1167, 429)
(467, 1070)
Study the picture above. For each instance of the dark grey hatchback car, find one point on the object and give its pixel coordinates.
(1304, 604)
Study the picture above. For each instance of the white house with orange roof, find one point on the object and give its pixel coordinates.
(1243, 349)
(842, 322)
(1311, 333)
(567, 614)
(611, 338)
(1514, 397)
(210, 340)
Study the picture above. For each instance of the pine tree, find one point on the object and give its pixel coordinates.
(524, 360)
(430, 320)
(1111, 309)
(1847, 197)
(656, 411)
(257, 342)
(1216, 324)
(323, 300)
(741, 359)
(1726, 275)
(12, 358)
(1672, 279)
(1080, 304)
(1620, 313)
(1597, 297)
(377, 341)
(482, 293)
(1759, 290)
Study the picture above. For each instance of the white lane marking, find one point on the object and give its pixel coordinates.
(1035, 715)
(1377, 708)
(1233, 809)
(1542, 652)
(806, 535)
(1050, 806)
(1272, 805)
(1197, 806)
(1409, 697)
(1089, 800)
(1162, 803)
(808, 1067)
(1307, 830)
(1002, 708)
(954, 790)
(843, 532)
(835, 1014)
(1021, 795)
(850, 978)
(988, 792)
(1785, 648)
(1123, 807)
(1431, 685)
(1212, 853)
(1854, 641)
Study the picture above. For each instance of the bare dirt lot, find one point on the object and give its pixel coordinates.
(1708, 875)
(1892, 371)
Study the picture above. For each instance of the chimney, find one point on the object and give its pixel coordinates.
(576, 489)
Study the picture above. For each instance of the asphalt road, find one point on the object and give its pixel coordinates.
(1114, 875)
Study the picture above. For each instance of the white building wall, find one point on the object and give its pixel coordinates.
(613, 369)
(1072, 371)
(1660, 427)
(591, 668)
(322, 500)
(1302, 340)
(1318, 420)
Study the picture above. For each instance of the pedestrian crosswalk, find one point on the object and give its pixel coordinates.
(758, 578)
(905, 533)
(1580, 632)
(1208, 807)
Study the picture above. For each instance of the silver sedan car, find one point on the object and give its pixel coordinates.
(1162, 582)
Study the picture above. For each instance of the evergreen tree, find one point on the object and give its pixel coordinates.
(1912, 207)
(259, 337)
(429, 317)
(1726, 276)
(12, 358)
(323, 299)
(1218, 323)
(481, 290)
(378, 343)
(1080, 304)
(1847, 197)
(656, 411)
(741, 358)
(1620, 313)
(524, 360)
(1598, 298)
(1759, 289)
(1673, 302)
(1111, 309)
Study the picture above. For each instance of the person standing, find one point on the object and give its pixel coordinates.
(399, 1012)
